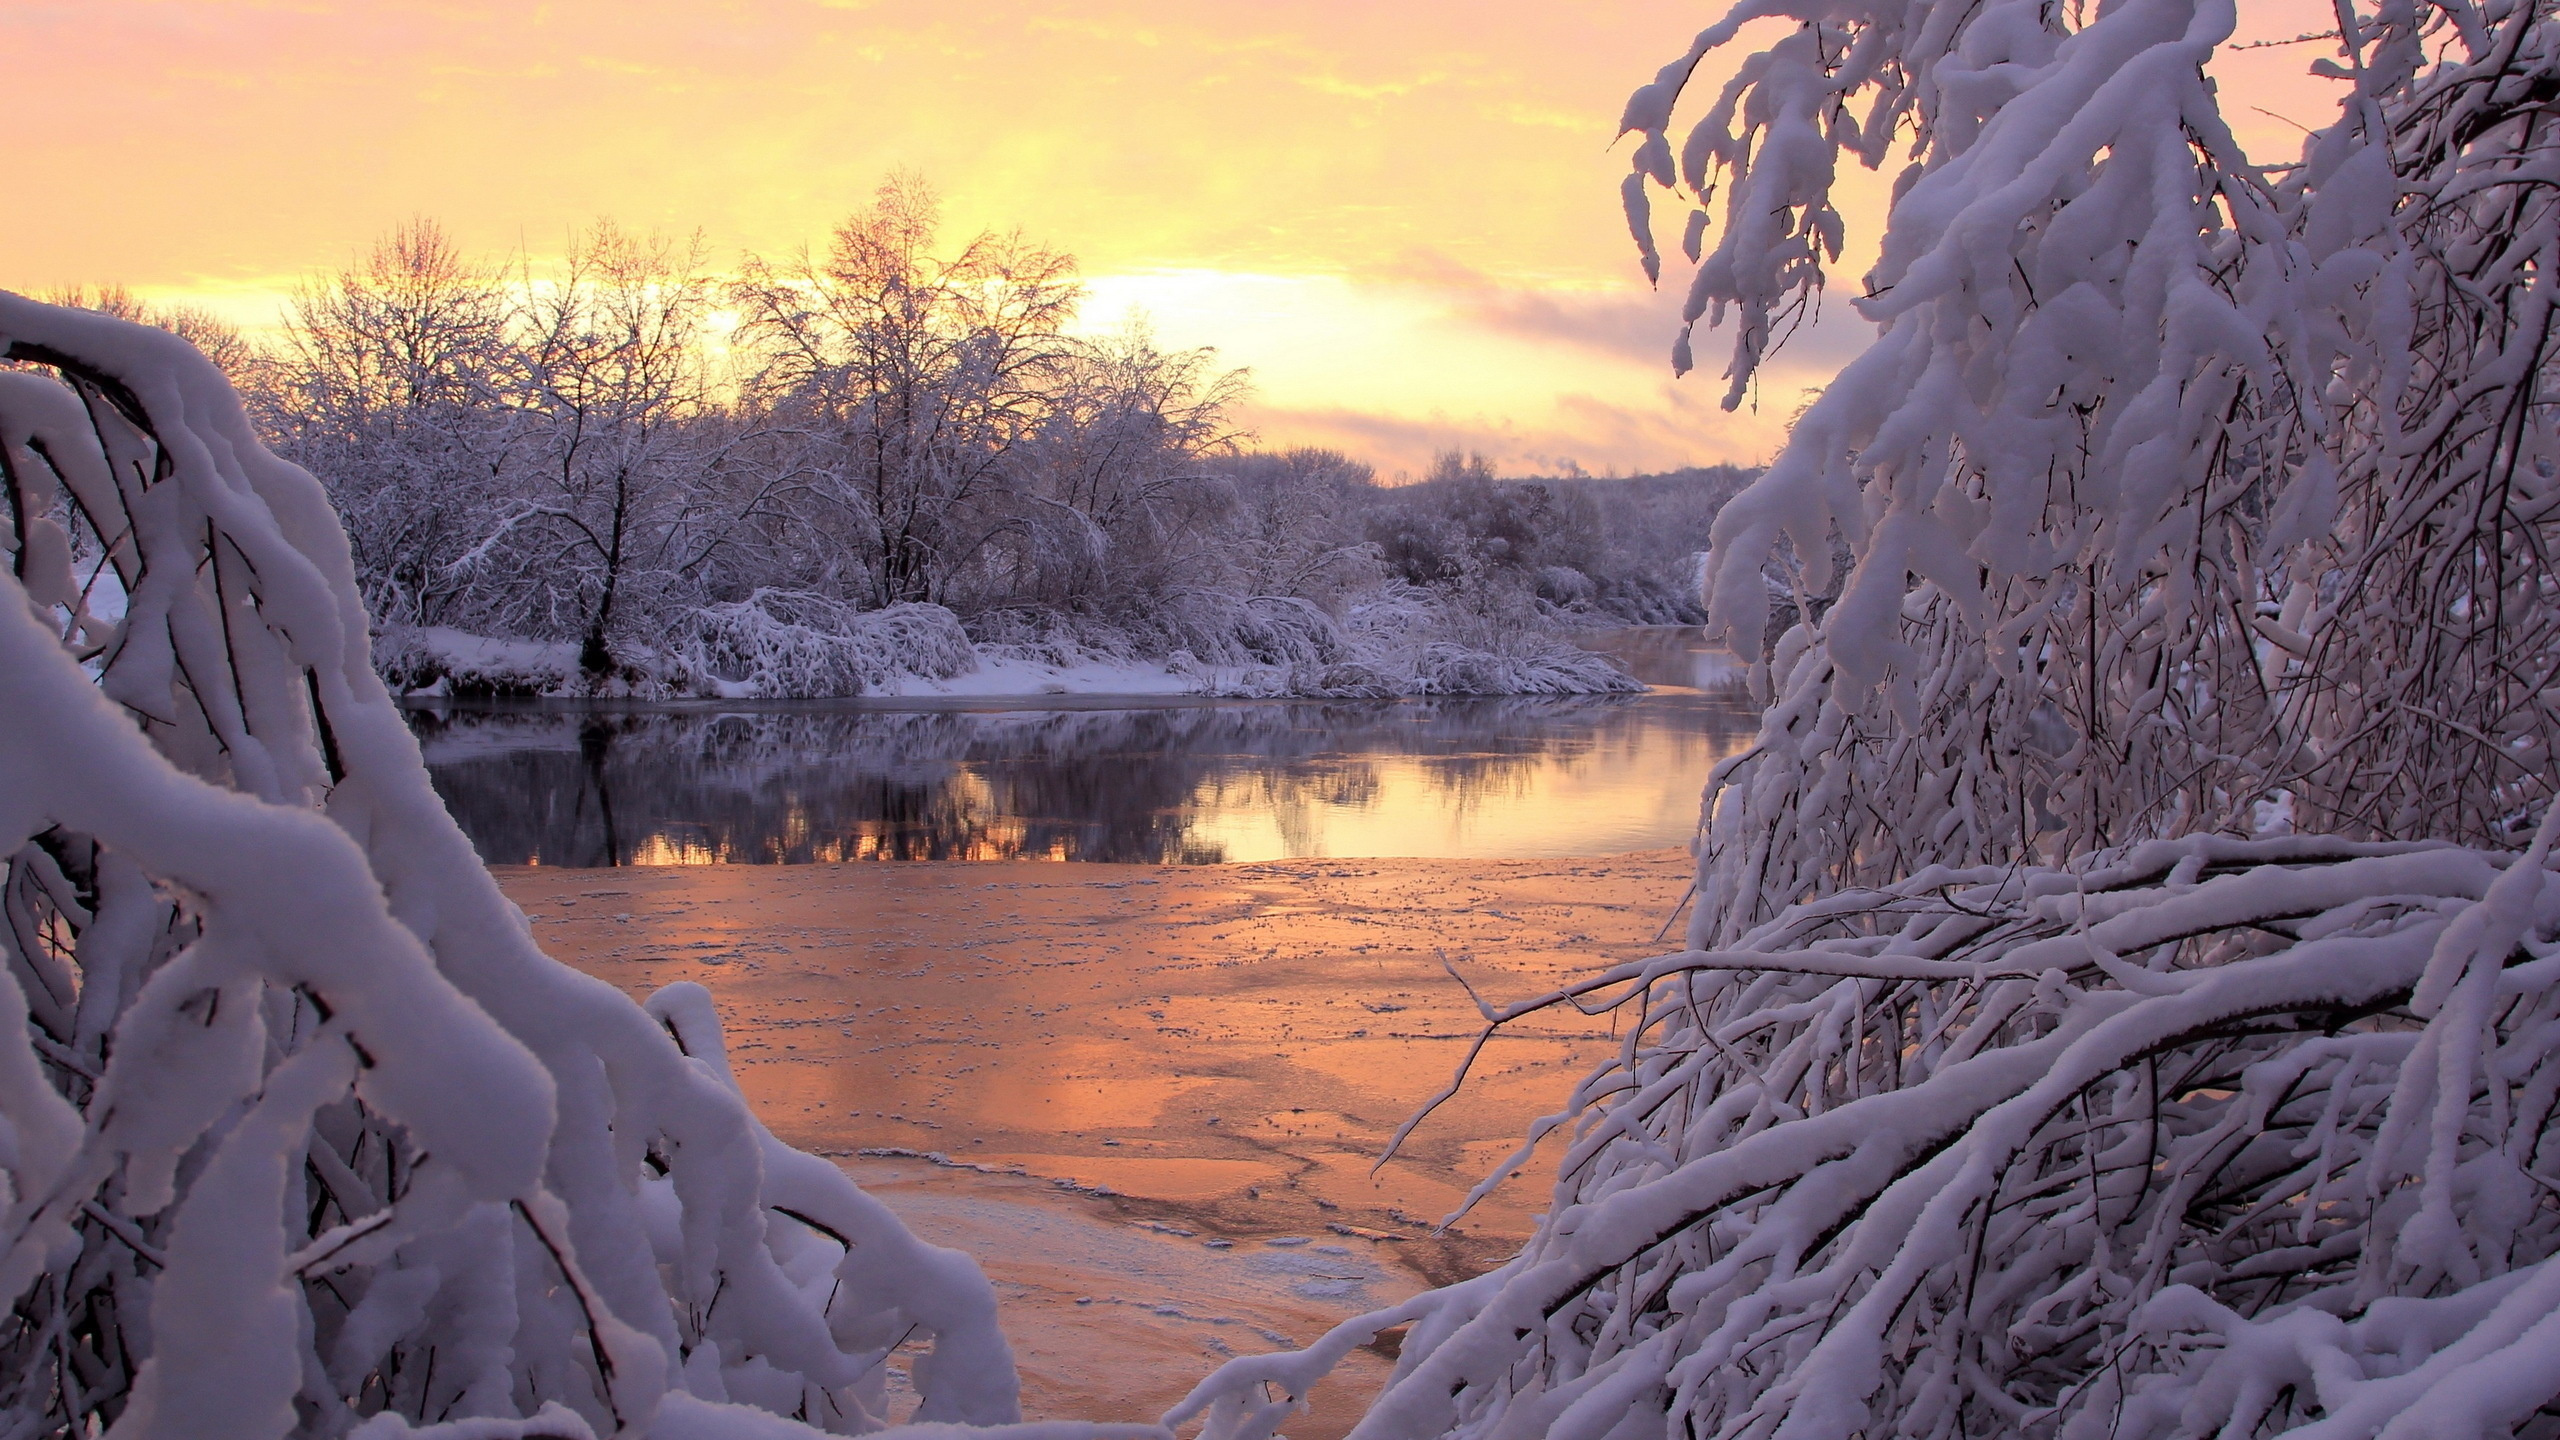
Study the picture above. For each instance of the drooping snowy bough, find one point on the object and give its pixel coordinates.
(2005, 1088)
(299, 1133)
(2213, 1133)
(2173, 485)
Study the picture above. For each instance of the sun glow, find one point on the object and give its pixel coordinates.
(1400, 219)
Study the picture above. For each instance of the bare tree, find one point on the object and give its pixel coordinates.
(220, 341)
(610, 515)
(394, 381)
(911, 378)
(1114, 490)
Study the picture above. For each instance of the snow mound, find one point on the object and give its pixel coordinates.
(299, 1132)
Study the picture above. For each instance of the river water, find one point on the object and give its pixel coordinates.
(1096, 779)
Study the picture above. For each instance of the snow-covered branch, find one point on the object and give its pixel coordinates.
(2168, 491)
(2025, 1074)
(302, 1134)
(2139, 1147)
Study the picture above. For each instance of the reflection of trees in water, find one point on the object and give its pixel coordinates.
(600, 788)
(1671, 655)
(1470, 753)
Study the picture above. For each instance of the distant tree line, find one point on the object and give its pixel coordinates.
(589, 453)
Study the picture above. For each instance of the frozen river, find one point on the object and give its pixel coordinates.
(1096, 779)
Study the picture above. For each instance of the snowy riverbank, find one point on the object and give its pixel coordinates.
(774, 647)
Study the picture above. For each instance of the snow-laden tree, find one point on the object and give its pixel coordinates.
(2025, 1074)
(911, 378)
(525, 451)
(620, 498)
(299, 1132)
(1115, 503)
(392, 380)
(2173, 485)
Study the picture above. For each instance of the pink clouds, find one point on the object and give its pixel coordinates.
(1449, 164)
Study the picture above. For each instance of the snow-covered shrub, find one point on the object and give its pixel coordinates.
(1044, 636)
(1401, 640)
(2206, 1137)
(1397, 640)
(297, 1126)
(1540, 665)
(1213, 628)
(443, 661)
(1220, 628)
(1564, 585)
(1431, 643)
(784, 644)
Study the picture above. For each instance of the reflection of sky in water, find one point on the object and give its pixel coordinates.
(1635, 789)
(1521, 777)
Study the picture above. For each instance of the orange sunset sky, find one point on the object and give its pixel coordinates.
(1401, 217)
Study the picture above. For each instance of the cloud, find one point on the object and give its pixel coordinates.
(1402, 218)
(1665, 431)
(1330, 84)
(1628, 323)
(1637, 328)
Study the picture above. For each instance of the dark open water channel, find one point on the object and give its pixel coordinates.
(1132, 781)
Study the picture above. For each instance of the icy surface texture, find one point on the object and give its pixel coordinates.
(299, 1132)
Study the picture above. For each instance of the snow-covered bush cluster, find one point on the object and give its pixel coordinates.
(790, 643)
(299, 1133)
(2025, 1073)
(439, 660)
(1417, 640)
(691, 482)
(1388, 639)
(1595, 552)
